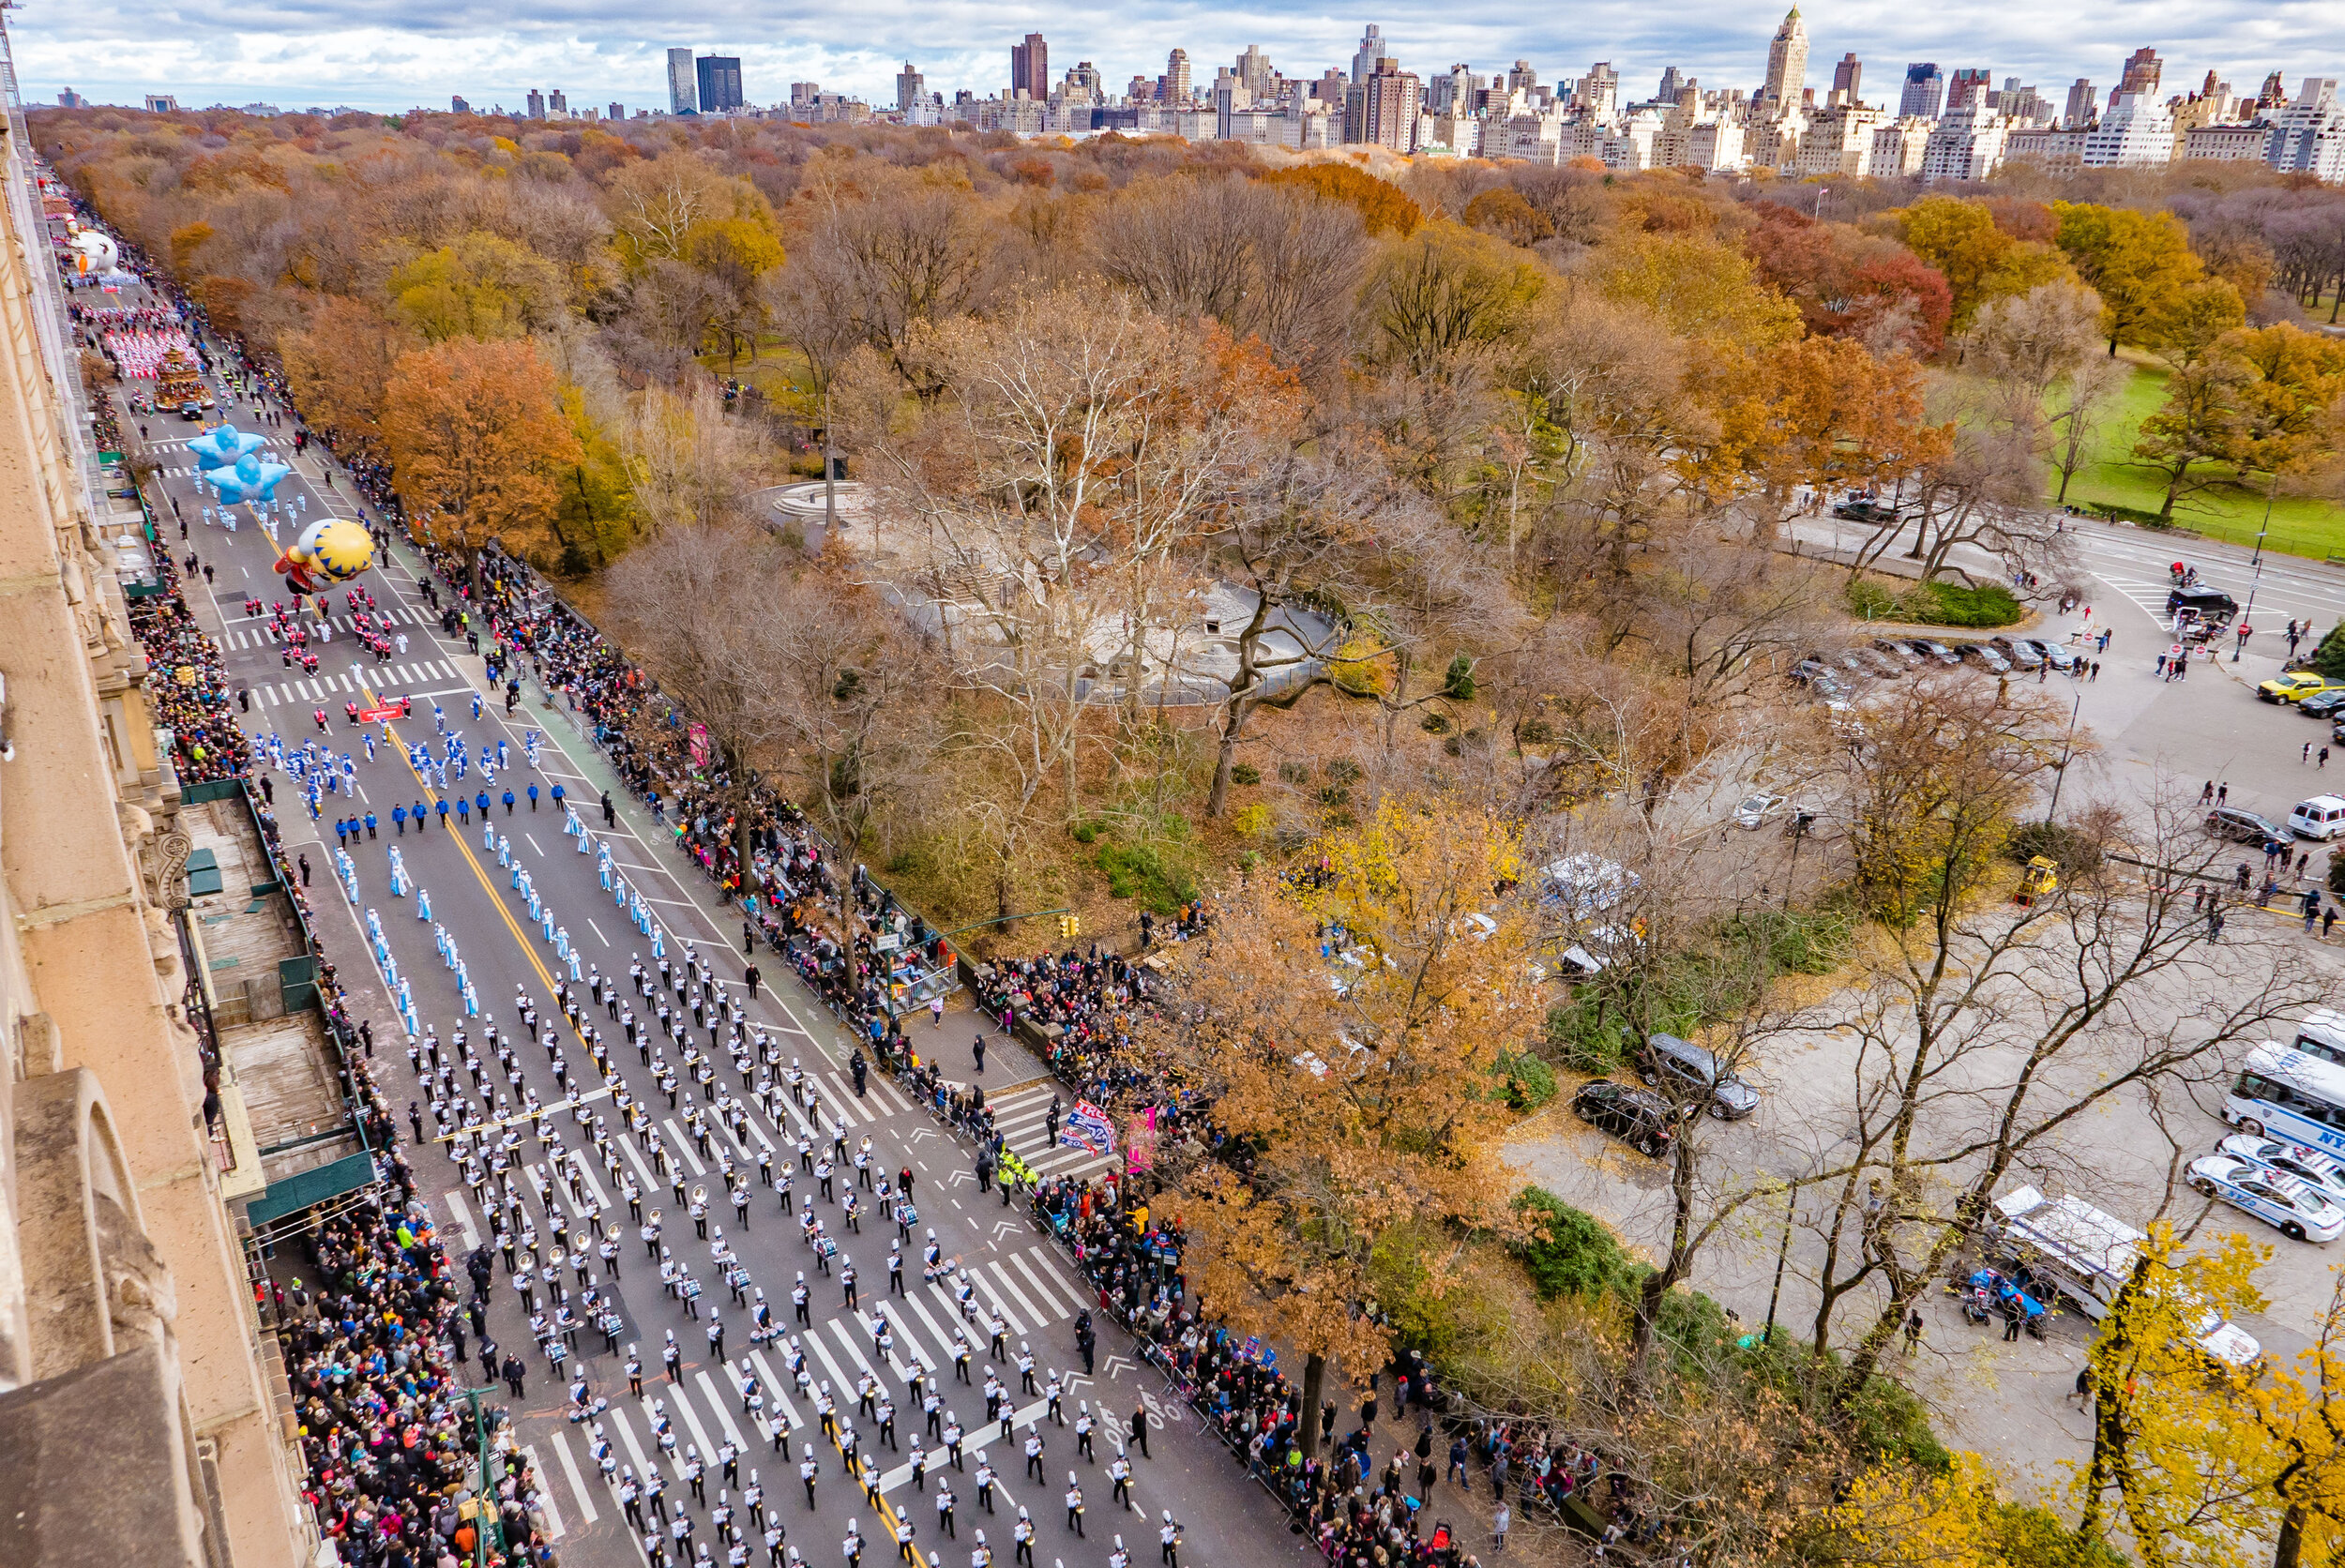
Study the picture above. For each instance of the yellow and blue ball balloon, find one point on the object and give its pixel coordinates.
(332, 549)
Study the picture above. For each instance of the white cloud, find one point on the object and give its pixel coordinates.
(328, 52)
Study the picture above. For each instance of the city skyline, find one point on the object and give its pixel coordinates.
(860, 53)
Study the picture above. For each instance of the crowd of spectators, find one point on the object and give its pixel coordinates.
(206, 743)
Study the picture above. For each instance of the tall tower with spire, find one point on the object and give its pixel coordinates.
(1787, 61)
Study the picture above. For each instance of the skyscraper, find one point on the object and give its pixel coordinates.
(1370, 50)
(1175, 85)
(537, 104)
(719, 82)
(2142, 72)
(619, 110)
(1255, 70)
(2079, 113)
(1673, 82)
(910, 87)
(558, 105)
(683, 92)
(1845, 77)
(1967, 86)
(1599, 90)
(1029, 68)
(1787, 61)
(1924, 92)
(456, 105)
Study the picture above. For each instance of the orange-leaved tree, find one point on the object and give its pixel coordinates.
(1353, 1027)
(476, 433)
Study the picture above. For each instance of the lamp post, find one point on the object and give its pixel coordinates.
(489, 1518)
(2246, 616)
(2068, 748)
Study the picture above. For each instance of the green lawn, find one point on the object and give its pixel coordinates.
(2225, 511)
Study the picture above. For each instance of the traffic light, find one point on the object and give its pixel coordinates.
(1070, 926)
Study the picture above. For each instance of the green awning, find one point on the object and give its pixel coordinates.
(295, 1192)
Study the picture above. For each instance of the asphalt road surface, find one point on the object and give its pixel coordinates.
(1017, 1271)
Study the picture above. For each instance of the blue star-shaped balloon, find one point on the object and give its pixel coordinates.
(251, 480)
(223, 445)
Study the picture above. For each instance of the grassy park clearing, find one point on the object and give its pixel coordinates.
(2300, 525)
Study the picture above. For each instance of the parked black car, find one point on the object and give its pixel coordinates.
(1638, 1117)
(1866, 511)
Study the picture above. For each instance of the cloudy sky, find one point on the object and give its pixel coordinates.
(306, 53)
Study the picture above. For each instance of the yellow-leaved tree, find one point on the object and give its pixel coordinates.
(1352, 1026)
(478, 440)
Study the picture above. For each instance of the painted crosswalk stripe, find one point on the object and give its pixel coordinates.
(682, 1145)
(578, 1482)
(986, 1275)
(943, 1336)
(774, 1386)
(1002, 1301)
(723, 1409)
(643, 1166)
(822, 1353)
(462, 1217)
(1042, 1286)
(617, 1417)
(684, 1409)
(545, 1495)
(848, 1337)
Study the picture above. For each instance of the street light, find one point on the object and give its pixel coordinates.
(491, 1519)
(2246, 616)
(2067, 748)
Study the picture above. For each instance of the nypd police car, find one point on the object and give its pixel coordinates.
(2291, 1206)
(2309, 1165)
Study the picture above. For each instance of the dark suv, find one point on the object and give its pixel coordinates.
(1691, 1075)
(1637, 1117)
(2245, 827)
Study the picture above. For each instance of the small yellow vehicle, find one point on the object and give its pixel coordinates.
(2039, 880)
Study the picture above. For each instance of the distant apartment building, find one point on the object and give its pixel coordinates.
(1381, 109)
(71, 100)
(683, 85)
(1838, 141)
(2308, 133)
(536, 105)
(1967, 86)
(1924, 92)
(2232, 144)
(2136, 131)
(618, 110)
(2142, 69)
(1966, 144)
(161, 103)
(2081, 108)
(1899, 146)
(557, 106)
(910, 87)
(2056, 149)
(456, 105)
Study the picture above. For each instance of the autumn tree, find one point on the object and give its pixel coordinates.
(1978, 259)
(2136, 261)
(339, 367)
(482, 286)
(1383, 207)
(476, 437)
(2198, 425)
(1365, 1084)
